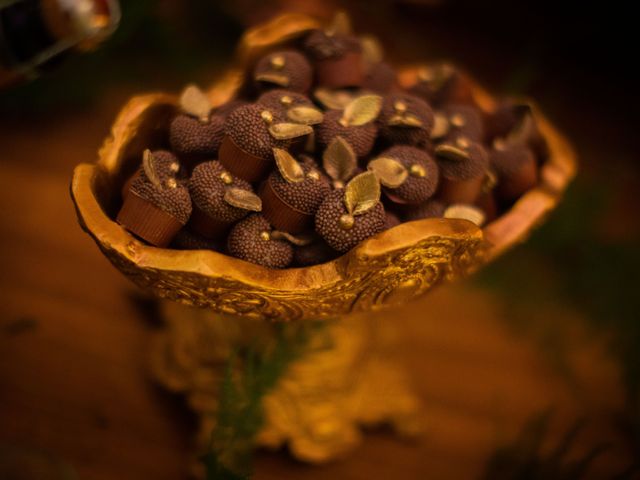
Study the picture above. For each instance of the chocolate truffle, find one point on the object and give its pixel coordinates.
(195, 131)
(381, 78)
(465, 121)
(251, 134)
(219, 199)
(293, 192)
(463, 165)
(353, 214)
(251, 240)
(515, 167)
(408, 174)
(355, 124)
(313, 254)
(337, 55)
(442, 83)
(158, 205)
(429, 209)
(284, 69)
(405, 119)
(516, 123)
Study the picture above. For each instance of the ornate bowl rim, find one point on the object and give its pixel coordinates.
(93, 184)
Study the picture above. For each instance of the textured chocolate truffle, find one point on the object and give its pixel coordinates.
(250, 240)
(351, 215)
(157, 204)
(419, 174)
(515, 167)
(360, 135)
(405, 119)
(304, 195)
(226, 108)
(251, 134)
(465, 121)
(163, 190)
(469, 159)
(429, 209)
(313, 254)
(191, 136)
(284, 69)
(442, 83)
(338, 58)
(248, 127)
(208, 185)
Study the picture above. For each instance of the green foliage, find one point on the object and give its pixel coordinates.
(249, 375)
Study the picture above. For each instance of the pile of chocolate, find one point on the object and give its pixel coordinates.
(323, 149)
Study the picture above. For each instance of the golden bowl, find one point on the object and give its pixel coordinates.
(390, 268)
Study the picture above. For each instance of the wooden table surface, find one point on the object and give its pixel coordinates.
(74, 384)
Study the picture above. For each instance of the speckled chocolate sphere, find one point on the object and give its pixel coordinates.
(249, 130)
(328, 224)
(399, 104)
(208, 185)
(381, 78)
(322, 46)
(515, 167)
(361, 138)
(250, 240)
(190, 136)
(428, 209)
(279, 101)
(464, 169)
(187, 240)
(505, 118)
(289, 69)
(305, 196)
(464, 120)
(441, 84)
(313, 254)
(422, 178)
(172, 196)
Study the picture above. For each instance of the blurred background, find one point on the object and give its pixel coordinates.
(531, 369)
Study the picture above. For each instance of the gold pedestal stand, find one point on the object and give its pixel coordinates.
(348, 376)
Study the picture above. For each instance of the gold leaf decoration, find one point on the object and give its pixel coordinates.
(333, 99)
(305, 115)
(371, 49)
(362, 110)
(449, 152)
(149, 168)
(362, 193)
(287, 131)
(406, 120)
(288, 167)
(390, 172)
(465, 212)
(440, 126)
(195, 102)
(299, 241)
(339, 160)
(240, 198)
(275, 78)
(340, 24)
